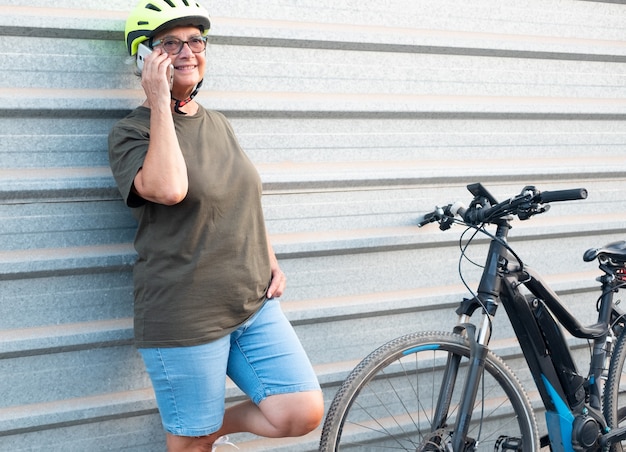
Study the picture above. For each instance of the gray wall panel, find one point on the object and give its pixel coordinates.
(359, 115)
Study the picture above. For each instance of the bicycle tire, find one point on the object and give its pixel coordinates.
(382, 406)
(614, 403)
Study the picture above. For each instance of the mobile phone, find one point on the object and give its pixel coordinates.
(142, 52)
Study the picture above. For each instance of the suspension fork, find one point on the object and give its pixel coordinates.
(478, 353)
(488, 294)
(449, 380)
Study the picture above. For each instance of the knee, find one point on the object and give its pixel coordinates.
(310, 414)
(301, 415)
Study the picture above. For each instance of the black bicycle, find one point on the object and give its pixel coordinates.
(447, 391)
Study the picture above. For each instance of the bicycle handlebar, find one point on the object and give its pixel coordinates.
(528, 203)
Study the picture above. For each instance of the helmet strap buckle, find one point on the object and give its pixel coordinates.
(178, 104)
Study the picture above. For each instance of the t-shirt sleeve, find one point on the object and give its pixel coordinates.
(128, 145)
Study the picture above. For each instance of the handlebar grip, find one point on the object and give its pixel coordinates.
(426, 218)
(563, 195)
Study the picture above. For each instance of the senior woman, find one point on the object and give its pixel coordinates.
(206, 278)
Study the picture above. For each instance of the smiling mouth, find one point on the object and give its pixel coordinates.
(185, 68)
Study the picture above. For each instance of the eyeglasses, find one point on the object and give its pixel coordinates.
(173, 46)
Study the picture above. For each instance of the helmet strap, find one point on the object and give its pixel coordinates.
(178, 104)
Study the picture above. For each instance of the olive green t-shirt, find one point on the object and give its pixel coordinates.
(203, 264)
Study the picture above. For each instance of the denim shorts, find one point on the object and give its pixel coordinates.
(263, 357)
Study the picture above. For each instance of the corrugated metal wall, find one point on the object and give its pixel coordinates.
(360, 115)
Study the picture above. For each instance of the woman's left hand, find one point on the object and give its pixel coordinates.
(278, 282)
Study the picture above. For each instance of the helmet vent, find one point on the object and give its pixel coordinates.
(153, 8)
(186, 2)
(171, 3)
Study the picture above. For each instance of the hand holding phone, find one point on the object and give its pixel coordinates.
(142, 52)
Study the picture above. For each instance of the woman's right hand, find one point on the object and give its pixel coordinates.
(155, 77)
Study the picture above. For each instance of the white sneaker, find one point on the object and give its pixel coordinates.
(222, 441)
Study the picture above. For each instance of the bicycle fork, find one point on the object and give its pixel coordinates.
(478, 354)
(486, 301)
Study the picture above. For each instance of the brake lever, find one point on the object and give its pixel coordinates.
(450, 212)
(533, 209)
(443, 215)
(446, 223)
(528, 205)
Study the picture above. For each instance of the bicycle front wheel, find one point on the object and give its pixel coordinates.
(388, 401)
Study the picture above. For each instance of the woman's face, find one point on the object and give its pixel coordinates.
(188, 66)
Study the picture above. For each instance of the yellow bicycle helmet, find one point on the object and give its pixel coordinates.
(153, 16)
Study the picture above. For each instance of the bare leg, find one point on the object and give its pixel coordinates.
(278, 416)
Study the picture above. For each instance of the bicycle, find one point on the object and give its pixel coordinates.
(447, 391)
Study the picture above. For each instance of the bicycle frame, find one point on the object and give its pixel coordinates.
(573, 403)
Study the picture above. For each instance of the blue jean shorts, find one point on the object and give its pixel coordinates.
(263, 357)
